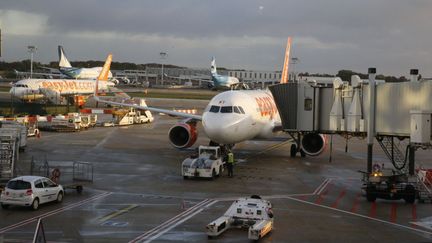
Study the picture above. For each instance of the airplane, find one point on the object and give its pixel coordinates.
(30, 90)
(221, 82)
(231, 117)
(77, 73)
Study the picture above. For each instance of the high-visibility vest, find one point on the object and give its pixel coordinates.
(230, 158)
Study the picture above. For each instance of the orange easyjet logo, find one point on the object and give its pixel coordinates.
(67, 85)
(266, 106)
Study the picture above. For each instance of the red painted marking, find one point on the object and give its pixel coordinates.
(372, 212)
(341, 195)
(356, 203)
(393, 214)
(414, 215)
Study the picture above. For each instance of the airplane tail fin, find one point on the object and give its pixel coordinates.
(285, 74)
(213, 66)
(104, 73)
(63, 61)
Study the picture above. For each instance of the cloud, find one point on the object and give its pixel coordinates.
(327, 34)
(22, 23)
(260, 9)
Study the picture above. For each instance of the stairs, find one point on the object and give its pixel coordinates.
(8, 149)
(394, 153)
(424, 187)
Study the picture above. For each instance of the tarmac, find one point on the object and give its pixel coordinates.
(139, 195)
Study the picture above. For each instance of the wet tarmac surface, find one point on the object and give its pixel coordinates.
(139, 194)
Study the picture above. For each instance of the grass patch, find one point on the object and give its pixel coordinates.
(4, 89)
(174, 95)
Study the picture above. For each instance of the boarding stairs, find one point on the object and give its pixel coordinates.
(394, 153)
(424, 187)
(8, 149)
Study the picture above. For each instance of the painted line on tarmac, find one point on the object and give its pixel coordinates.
(173, 222)
(363, 216)
(45, 215)
(280, 196)
(118, 213)
(274, 146)
(269, 148)
(322, 186)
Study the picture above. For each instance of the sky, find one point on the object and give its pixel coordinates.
(328, 35)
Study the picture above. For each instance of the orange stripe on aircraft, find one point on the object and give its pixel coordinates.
(284, 77)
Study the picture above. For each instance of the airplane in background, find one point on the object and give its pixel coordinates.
(222, 81)
(231, 117)
(55, 90)
(77, 73)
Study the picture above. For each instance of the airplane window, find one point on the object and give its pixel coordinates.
(241, 110)
(236, 110)
(214, 109)
(226, 109)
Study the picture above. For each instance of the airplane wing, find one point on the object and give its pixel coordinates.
(153, 109)
(102, 76)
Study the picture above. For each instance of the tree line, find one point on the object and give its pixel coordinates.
(7, 69)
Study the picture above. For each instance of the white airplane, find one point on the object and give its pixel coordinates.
(231, 117)
(55, 89)
(77, 73)
(221, 81)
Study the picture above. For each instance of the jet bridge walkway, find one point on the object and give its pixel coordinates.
(396, 115)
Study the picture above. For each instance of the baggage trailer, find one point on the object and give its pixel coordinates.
(70, 174)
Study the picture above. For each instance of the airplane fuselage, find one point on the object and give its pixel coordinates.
(83, 73)
(33, 89)
(224, 82)
(239, 115)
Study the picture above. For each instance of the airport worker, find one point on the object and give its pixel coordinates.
(230, 163)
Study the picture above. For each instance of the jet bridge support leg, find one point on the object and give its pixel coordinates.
(411, 165)
(369, 158)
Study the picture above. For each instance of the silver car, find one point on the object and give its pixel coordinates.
(30, 191)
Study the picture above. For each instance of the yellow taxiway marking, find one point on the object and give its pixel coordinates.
(118, 213)
(271, 147)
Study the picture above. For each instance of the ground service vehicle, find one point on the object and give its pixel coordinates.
(207, 164)
(30, 191)
(390, 185)
(253, 213)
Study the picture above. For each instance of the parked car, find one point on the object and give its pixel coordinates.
(30, 191)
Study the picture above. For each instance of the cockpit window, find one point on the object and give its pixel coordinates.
(236, 110)
(226, 109)
(214, 109)
(241, 110)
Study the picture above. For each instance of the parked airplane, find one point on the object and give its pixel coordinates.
(77, 73)
(55, 89)
(222, 81)
(231, 117)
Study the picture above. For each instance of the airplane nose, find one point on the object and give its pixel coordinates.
(224, 129)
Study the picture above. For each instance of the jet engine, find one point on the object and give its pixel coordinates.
(183, 135)
(313, 143)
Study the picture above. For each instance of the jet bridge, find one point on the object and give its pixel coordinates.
(394, 112)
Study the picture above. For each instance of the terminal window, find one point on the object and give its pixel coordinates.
(308, 104)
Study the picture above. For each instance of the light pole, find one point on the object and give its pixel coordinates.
(31, 50)
(163, 55)
(294, 61)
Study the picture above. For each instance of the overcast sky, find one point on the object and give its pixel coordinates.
(328, 35)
